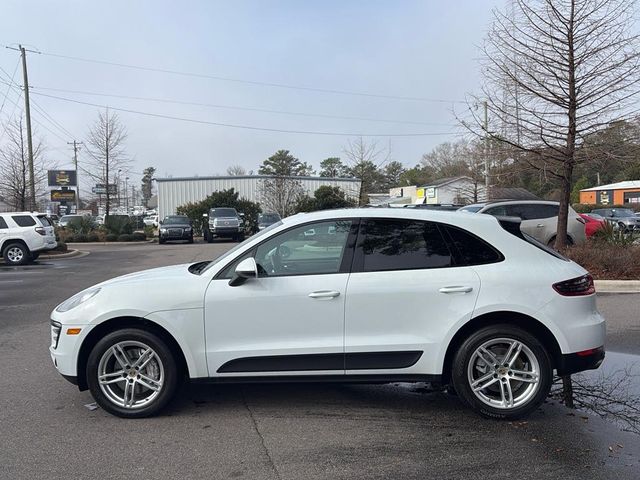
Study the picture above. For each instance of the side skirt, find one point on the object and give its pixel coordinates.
(371, 379)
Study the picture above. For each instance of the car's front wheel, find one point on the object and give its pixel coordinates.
(132, 373)
(502, 371)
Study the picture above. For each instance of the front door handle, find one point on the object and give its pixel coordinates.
(324, 294)
(455, 289)
(539, 225)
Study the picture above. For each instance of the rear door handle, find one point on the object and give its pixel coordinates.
(539, 225)
(455, 289)
(324, 294)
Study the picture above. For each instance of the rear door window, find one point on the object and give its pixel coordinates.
(3, 223)
(396, 244)
(24, 220)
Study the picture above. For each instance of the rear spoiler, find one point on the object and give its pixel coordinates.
(511, 225)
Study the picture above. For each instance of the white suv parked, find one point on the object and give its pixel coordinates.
(23, 235)
(375, 295)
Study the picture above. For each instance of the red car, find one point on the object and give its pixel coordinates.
(592, 223)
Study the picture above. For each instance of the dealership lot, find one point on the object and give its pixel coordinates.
(270, 431)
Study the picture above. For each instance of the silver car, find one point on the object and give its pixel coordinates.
(623, 219)
(539, 218)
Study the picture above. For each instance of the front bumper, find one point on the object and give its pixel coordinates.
(225, 231)
(578, 362)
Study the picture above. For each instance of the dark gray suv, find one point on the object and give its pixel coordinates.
(623, 219)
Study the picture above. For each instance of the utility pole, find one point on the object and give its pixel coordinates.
(126, 194)
(27, 112)
(75, 162)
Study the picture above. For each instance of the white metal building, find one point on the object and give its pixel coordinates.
(174, 192)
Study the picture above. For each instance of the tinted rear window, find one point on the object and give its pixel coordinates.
(469, 249)
(44, 221)
(24, 220)
(3, 224)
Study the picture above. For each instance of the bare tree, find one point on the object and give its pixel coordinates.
(14, 167)
(364, 160)
(280, 194)
(106, 141)
(236, 170)
(556, 73)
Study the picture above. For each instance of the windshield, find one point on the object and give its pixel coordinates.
(223, 212)
(268, 218)
(623, 212)
(68, 218)
(240, 245)
(180, 220)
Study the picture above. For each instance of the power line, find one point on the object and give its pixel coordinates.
(251, 82)
(12, 77)
(234, 107)
(245, 127)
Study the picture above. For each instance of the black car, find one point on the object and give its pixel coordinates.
(176, 227)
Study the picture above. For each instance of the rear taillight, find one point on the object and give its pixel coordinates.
(41, 231)
(576, 286)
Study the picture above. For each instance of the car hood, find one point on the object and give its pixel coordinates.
(140, 294)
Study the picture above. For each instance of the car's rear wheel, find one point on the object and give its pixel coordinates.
(16, 254)
(502, 371)
(132, 373)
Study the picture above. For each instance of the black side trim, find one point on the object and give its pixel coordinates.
(573, 363)
(386, 378)
(323, 361)
(381, 360)
(285, 363)
(71, 379)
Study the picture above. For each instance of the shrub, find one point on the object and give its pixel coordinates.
(607, 261)
(79, 238)
(118, 224)
(125, 237)
(138, 237)
(111, 237)
(83, 225)
(96, 236)
(63, 235)
(608, 234)
(149, 231)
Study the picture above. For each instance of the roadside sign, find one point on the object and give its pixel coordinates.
(101, 189)
(63, 196)
(62, 178)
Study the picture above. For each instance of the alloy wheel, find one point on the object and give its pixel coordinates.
(504, 373)
(131, 374)
(15, 254)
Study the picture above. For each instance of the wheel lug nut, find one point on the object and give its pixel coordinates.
(495, 375)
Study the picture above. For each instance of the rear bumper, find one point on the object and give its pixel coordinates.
(578, 362)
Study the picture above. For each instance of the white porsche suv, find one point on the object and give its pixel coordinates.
(354, 295)
(24, 235)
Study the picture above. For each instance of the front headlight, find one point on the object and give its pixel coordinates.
(56, 328)
(188, 229)
(76, 300)
(163, 230)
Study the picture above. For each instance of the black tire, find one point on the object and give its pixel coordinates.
(16, 253)
(530, 399)
(240, 237)
(190, 239)
(210, 238)
(161, 241)
(165, 358)
(35, 255)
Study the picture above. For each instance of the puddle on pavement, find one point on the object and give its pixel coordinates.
(613, 391)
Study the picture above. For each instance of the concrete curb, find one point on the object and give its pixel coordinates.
(617, 286)
(71, 254)
(80, 244)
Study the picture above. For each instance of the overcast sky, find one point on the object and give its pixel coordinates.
(420, 49)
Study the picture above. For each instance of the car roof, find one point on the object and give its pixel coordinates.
(23, 213)
(443, 216)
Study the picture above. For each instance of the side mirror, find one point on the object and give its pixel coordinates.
(246, 269)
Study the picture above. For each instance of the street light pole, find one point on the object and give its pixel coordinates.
(126, 193)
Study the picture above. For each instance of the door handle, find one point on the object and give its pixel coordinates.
(456, 289)
(324, 294)
(539, 225)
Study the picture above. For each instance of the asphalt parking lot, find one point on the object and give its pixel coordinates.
(296, 431)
